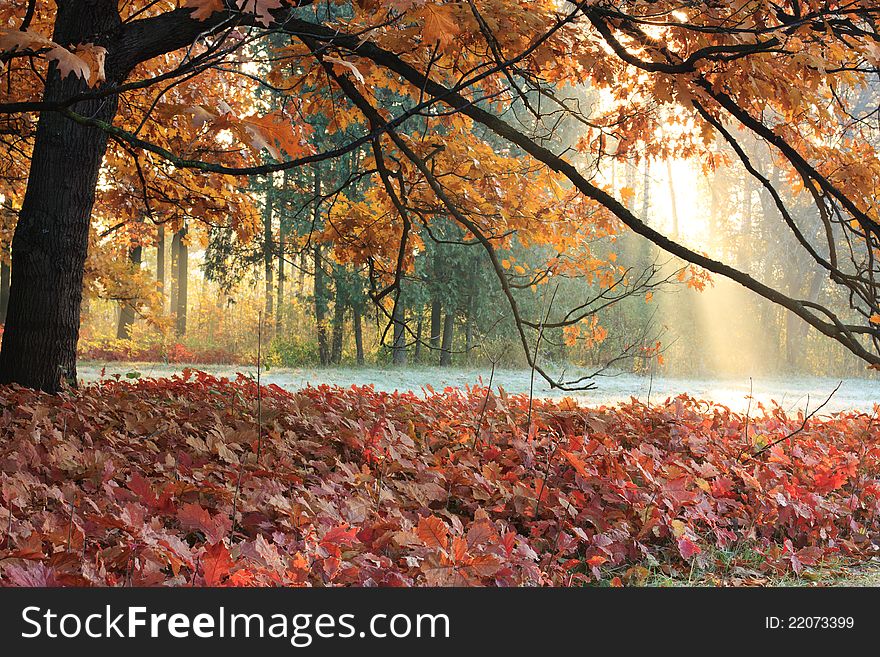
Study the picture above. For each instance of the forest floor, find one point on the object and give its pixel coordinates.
(195, 480)
(792, 393)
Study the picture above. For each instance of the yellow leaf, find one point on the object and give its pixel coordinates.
(678, 528)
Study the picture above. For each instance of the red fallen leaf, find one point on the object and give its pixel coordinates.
(616, 582)
(687, 547)
(193, 516)
(596, 561)
(141, 487)
(216, 564)
(459, 549)
(433, 532)
(576, 463)
(340, 535)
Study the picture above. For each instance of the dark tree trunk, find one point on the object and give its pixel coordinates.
(436, 323)
(126, 310)
(320, 292)
(180, 302)
(417, 350)
(321, 307)
(358, 335)
(446, 347)
(51, 238)
(160, 258)
(338, 326)
(5, 272)
(175, 270)
(279, 303)
(268, 247)
(398, 348)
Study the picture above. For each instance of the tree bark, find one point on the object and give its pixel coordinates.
(51, 238)
(180, 302)
(436, 322)
(126, 310)
(5, 272)
(398, 348)
(321, 306)
(446, 347)
(160, 258)
(338, 326)
(279, 303)
(268, 248)
(417, 349)
(358, 335)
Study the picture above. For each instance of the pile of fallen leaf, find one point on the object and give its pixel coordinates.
(201, 481)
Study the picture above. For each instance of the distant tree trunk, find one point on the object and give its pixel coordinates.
(301, 274)
(398, 348)
(446, 347)
(279, 305)
(51, 238)
(358, 335)
(182, 282)
(268, 247)
(436, 322)
(126, 310)
(160, 258)
(795, 330)
(417, 354)
(5, 272)
(338, 326)
(321, 307)
(468, 337)
(175, 271)
(673, 203)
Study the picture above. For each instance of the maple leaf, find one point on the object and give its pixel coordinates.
(193, 516)
(274, 132)
(69, 64)
(687, 547)
(348, 66)
(433, 532)
(12, 40)
(262, 9)
(216, 564)
(204, 9)
(576, 463)
(438, 24)
(94, 57)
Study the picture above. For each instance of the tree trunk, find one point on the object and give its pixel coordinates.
(446, 347)
(160, 258)
(358, 335)
(268, 250)
(279, 307)
(321, 307)
(175, 270)
(672, 201)
(436, 322)
(5, 272)
(398, 347)
(180, 301)
(417, 354)
(338, 326)
(126, 310)
(51, 238)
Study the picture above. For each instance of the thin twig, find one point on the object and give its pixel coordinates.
(800, 428)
